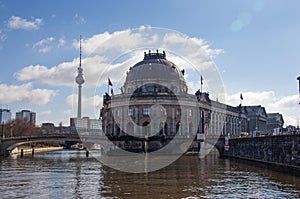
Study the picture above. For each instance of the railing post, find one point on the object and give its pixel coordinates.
(22, 153)
(32, 151)
(3, 135)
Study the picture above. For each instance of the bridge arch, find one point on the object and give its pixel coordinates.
(9, 144)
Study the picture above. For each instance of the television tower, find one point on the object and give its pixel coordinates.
(79, 80)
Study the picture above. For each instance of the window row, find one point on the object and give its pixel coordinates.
(146, 111)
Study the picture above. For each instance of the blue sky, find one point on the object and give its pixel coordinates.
(255, 45)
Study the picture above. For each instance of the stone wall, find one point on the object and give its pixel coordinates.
(277, 150)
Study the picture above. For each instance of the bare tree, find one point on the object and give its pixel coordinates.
(19, 127)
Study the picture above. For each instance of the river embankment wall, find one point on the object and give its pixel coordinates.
(280, 152)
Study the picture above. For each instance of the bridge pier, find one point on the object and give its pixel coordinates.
(87, 152)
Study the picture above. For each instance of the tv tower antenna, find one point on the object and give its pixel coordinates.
(298, 78)
(79, 80)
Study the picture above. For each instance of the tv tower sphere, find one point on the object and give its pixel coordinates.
(79, 78)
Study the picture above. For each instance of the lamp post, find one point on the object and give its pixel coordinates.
(3, 135)
(11, 127)
(248, 119)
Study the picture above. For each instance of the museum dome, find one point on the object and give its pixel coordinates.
(155, 68)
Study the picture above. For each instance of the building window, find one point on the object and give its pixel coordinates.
(130, 112)
(178, 112)
(118, 113)
(146, 111)
(163, 111)
(150, 89)
(190, 112)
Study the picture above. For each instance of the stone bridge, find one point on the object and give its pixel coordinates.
(8, 144)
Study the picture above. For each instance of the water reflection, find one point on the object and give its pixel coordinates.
(210, 177)
(69, 174)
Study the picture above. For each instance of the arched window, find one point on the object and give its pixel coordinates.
(178, 130)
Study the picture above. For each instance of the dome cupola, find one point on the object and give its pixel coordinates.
(155, 69)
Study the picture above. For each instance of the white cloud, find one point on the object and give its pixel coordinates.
(64, 74)
(104, 50)
(68, 112)
(43, 42)
(44, 45)
(79, 19)
(25, 94)
(91, 44)
(47, 44)
(55, 76)
(90, 105)
(61, 42)
(251, 98)
(16, 22)
(117, 43)
(43, 113)
(197, 50)
(3, 36)
(287, 102)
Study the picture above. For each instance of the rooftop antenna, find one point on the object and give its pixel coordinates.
(80, 52)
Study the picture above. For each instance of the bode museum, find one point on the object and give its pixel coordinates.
(154, 107)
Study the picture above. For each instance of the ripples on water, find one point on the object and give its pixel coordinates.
(69, 174)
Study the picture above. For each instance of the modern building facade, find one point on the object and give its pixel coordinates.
(84, 124)
(5, 116)
(26, 115)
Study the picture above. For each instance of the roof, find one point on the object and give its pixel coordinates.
(275, 117)
(256, 110)
(154, 66)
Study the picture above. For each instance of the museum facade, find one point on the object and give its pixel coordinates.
(154, 105)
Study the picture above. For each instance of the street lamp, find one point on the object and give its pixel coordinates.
(3, 135)
(248, 119)
(11, 127)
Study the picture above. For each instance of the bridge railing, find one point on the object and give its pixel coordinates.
(43, 136)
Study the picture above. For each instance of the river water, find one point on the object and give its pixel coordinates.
(69, 174)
